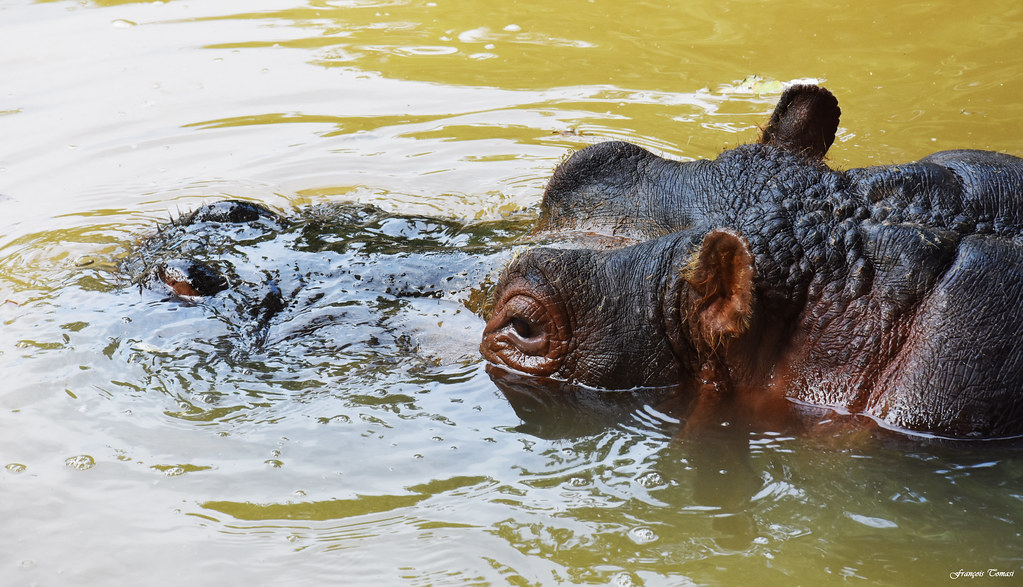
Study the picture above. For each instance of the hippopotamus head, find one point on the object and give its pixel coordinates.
(652, 313)
(764, 279)
(643, 316)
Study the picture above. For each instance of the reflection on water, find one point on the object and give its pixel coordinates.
(355, 435)
(557, 410)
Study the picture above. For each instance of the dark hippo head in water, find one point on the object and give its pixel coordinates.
(349, 283)
(764, 280)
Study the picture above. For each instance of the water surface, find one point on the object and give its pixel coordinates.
(149, 441)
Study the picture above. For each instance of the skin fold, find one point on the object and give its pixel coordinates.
(764, 282)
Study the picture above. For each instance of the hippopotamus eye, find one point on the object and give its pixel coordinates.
(528, 332)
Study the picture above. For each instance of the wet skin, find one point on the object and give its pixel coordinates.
(764, 285)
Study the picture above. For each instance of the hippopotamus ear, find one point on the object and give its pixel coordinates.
(721, 279)
(804, 121)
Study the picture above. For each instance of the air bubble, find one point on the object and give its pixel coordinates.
(642, 535)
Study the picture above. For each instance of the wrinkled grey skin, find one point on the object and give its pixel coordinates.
(895, 291)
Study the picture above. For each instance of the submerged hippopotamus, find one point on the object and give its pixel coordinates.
(363, 288)
(765, 285)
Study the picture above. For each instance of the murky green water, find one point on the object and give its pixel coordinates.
(146, 441)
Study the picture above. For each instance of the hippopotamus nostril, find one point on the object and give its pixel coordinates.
(521, 321)
(522, 328)
(527, 325)
(527, 332)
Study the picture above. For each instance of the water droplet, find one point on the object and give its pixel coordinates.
(15, 467)
(513, 28)
(123, 24)
(81, 462)
(274, 463)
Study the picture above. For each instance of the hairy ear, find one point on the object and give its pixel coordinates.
(721, 279)
(804, 121)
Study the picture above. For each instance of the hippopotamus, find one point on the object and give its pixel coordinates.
(341, 280)
(766, 286)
